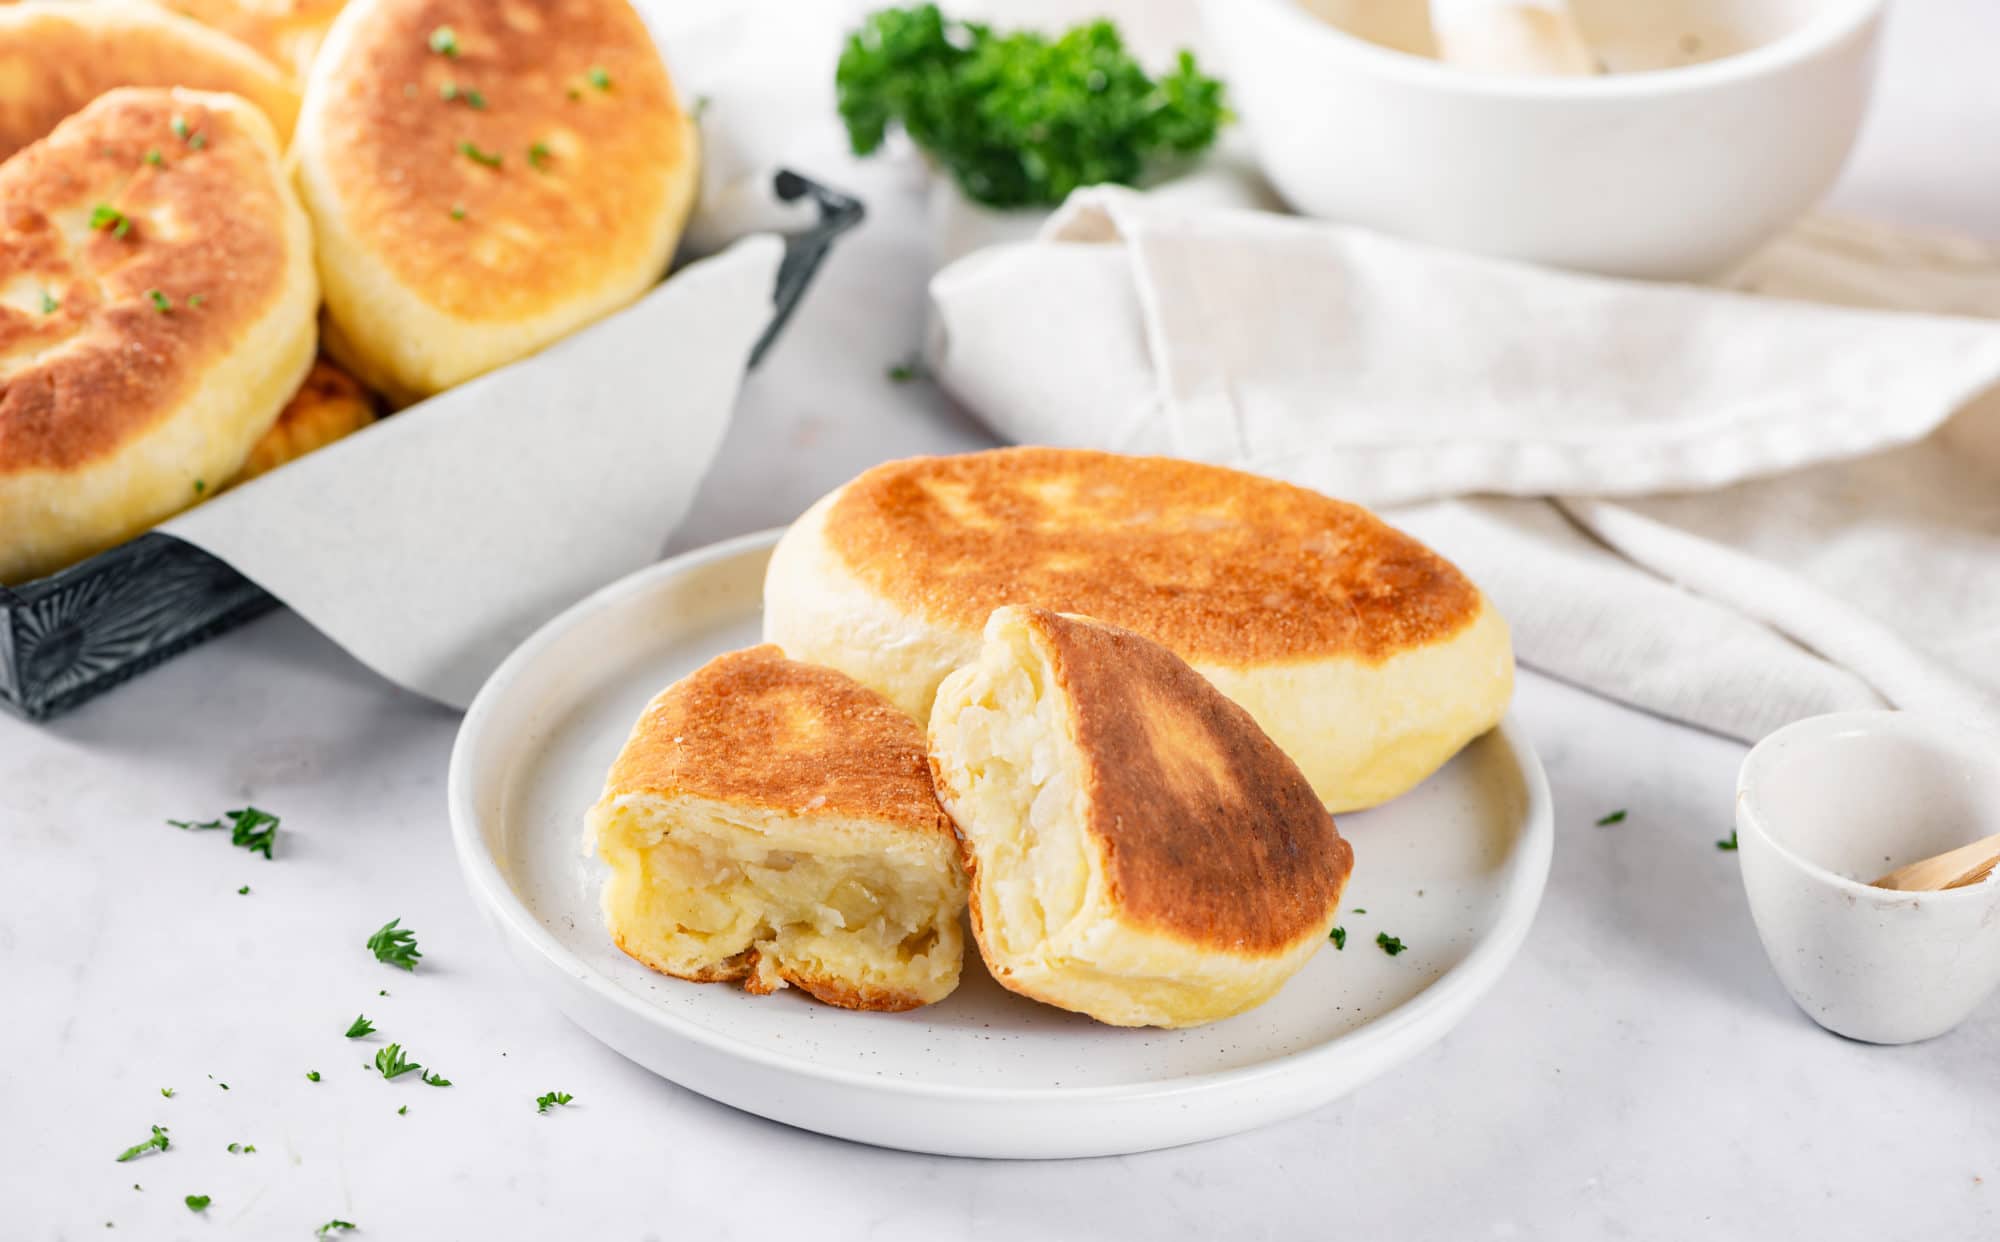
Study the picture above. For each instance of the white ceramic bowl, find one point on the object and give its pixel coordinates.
(1675, 173)
(1827, 804)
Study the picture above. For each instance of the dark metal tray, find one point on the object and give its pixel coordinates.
(73, 635)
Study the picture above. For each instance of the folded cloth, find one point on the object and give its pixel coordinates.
(1766, 499)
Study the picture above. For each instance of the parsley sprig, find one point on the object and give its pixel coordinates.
(1020, 119)
(543, 1103)
(1392, 945)
(393, 1063)
(360, 1026)
(105, 218)
(395, 945)
(159, 1142)
(250, 828)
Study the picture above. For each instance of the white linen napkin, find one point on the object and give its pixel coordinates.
(1820, 522)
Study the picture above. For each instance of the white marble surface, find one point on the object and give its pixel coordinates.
(1639, 1073)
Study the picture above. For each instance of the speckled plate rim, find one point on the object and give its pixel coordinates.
(1381, 1043)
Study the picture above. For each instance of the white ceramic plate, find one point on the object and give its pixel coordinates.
(1455, 869)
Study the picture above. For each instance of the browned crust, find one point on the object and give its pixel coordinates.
(743, 968)
(102, 368)
(329, 405)
(57, 58)
(1221, 566)
(284, 32)
(1208, 831)
(755, 728)
(523, 237)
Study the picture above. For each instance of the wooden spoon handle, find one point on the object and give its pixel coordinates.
(1968, 864)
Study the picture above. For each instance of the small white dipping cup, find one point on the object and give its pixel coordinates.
(1827, 804)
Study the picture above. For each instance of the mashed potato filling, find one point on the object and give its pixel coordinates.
(698, 888)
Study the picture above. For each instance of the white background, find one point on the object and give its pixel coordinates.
(1639, 1072)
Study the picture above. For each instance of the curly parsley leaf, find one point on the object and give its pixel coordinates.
(360, 1026)
(1020, 119)
(1392, 945)
(250, 828)
(1339, 937)
(395, 945)
(158, 1142)
(543, 1103)
(393, 1063)
(435, 1080)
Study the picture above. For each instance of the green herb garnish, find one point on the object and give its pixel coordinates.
(395, 945)
(471, 98)
(469, 150)
(154, 157)
(168, 1092)
(538, 155)
(403, 1111)
(49, 304)
(1616, 817)
(332, 1225)
(180, 127)
(163, 304)
(435, 1080)
(902, 372)
(1020, 119)
(393, 1063)
(158, 1142)
(543, 1103)
(598, 78)
(245, 890)
(457, 211)
(360, 1026)
(1339, 937)
(1392, 945)
(250, 828)
(198, 1203)
(241, 1149)
(194, 300)
(108, 219)
(444, 41)
(1730, 844)
(200, 486)
(312, 1075)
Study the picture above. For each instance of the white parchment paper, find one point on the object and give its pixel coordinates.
(431, 543)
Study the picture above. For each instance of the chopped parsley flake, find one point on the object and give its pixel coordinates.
(1392, 945)
(395, 945)
(1359, 910)
(180, 127)
(1616, 817)
(200, 486)
(312, 1075)
(154, 158)
(197, 142)
(404, 1111)
(902, 373)
(471, 151)
(360, 1026)
(1339, 937)
(250, 828)
(543, 1103)
(49, 304)
(1729, 844)
(599, 78)
(245, 890)
(458, 211)
(332, 1225)
(165, 305)
(158, 1142)
(241, 1149)
(108, 219)
(435, 1080)
(444, 41)
(538, 154)
(168, 1092)
(393, 1063)
(198, 1203)
(194, 300)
